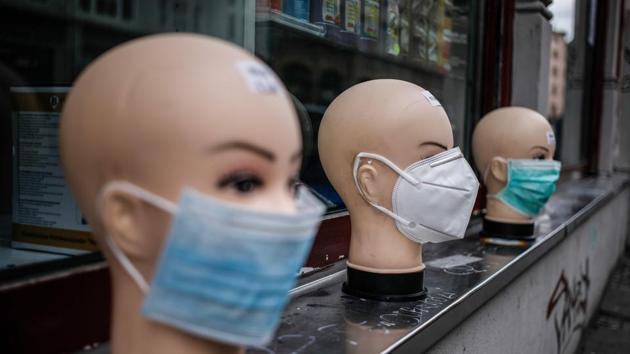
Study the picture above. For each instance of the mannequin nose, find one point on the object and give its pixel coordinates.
(282, 203)
(279, 200)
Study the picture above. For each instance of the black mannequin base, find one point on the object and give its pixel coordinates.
(385, 286)
(507, 234)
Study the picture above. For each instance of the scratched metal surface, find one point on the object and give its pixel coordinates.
(460, 277)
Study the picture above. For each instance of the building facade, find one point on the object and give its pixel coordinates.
(474, 56)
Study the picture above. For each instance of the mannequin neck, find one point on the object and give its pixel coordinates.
(132, 333)
(497, 211)
(377, 246)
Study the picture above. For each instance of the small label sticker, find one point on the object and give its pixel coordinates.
(259, 78)
(551, 138)
(452, 261)
(432, 100)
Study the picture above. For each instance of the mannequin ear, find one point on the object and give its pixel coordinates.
(498, 169)
(366, 179)
(121, 215)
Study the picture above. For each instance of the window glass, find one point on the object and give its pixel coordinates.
(44, 44)
(319, 48)
(571, 46)
(322, 47)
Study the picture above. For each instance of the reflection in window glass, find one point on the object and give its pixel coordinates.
(318, 47)
(566, 103)
(43, 47)
(322, 47)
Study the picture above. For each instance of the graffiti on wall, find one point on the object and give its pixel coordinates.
(568, 304)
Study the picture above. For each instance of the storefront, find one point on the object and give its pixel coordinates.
(474, 56)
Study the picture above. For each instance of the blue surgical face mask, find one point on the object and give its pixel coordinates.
(530, 184)
(225, 271)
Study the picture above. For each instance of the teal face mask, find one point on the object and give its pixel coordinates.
(530, 183)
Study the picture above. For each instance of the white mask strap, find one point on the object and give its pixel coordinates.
(148, 197)
(401, 173)
(127, 265)
(138, 192)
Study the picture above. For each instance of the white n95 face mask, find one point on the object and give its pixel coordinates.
(432, 199)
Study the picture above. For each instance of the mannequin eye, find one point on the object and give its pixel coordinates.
(539, 156)
(241, 182)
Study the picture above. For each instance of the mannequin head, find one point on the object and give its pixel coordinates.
(393, 119)
(166, 112)
(509, 133)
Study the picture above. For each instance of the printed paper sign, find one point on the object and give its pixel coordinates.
(44, 211)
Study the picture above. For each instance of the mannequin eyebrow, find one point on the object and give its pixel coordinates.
(435, 144)
(241, 145)
(539, 147)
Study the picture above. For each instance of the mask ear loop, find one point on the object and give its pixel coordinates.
(127, 265)
(148, 197)
(138, 192)
(401, 173)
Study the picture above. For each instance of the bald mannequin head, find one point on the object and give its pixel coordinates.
(509, 133)
(164, 99)
(166, 112)
(394, 119)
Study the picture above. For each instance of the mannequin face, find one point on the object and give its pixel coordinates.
(509, 133)
(393, 119)
(183, 126)
(204, 122)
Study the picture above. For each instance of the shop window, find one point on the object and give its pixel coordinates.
(106, 7)
(574, 138)
(318, 48)
(346, 42)
(43, 47)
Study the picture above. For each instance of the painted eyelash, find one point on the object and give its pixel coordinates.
(237, 177)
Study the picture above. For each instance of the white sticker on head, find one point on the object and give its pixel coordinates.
(259, 78)
(551, 138)
(432, 100)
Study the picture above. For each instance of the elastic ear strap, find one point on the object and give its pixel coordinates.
(141, 193)
(496, 197)
(355, 169)
(127, 265)
(148, 197)
(391, 214)
(485, 173)
(388, 163)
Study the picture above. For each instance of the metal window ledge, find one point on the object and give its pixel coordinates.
(321, 319)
